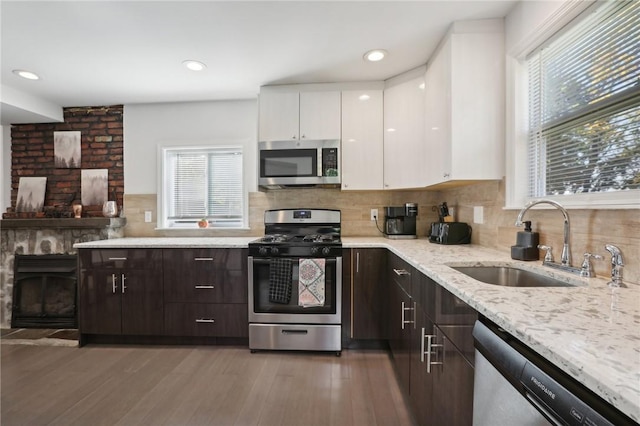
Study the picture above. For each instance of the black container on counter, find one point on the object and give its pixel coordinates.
(526, 247)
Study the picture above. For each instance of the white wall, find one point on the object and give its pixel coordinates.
(148, 126)
(5, 168)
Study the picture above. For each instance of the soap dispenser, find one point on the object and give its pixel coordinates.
(526, 247)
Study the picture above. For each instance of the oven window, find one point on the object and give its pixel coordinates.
(261, 285)
(288, 163)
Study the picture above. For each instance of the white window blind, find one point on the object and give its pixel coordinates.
(584, 105)
(204, 183)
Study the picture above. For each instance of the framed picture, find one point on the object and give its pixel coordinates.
(31, 194)
(67, 150)
(94, 184)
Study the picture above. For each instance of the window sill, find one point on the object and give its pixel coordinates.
(610, 201)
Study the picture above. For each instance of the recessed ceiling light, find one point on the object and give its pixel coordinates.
(194, 65)
(26, 74)
(375, 55)
(364, 97)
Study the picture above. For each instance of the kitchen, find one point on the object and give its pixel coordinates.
(146, 124)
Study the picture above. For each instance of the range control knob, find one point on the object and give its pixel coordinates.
(274, 250)
(315, 250)
(263, 250)
(326, 251)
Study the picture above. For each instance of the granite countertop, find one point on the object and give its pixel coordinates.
(169, 242)
(590, 331)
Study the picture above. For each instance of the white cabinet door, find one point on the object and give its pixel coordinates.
(362, 141)
(477, 106)
(279, 116)
(464, 127)
(437, 117)
(319, 115)
(290, 115)
(404, 147)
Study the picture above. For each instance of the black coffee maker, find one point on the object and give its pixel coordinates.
(400, 222)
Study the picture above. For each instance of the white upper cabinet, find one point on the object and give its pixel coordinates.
(404, 122)
(320, 115)
(362, 141)
(279, 116)
(464, 102)
(293, 115)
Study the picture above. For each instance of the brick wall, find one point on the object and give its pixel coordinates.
(102, 148)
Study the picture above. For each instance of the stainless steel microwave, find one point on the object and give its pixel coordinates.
(299, 163)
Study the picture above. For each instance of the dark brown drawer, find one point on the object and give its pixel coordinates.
(205, 275)
(120, 258)
(401, 272)
(214, 287)
(206, 319)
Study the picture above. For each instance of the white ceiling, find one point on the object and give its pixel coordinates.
(123, 52)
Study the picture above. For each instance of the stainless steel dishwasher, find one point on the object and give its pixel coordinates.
(515, 386)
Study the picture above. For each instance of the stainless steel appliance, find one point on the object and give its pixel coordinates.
(515, 386)
(299, 163)
(295, 282)
(400, 222)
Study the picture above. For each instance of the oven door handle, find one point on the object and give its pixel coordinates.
(267, 260)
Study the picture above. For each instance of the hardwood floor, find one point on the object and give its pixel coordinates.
(203, 385)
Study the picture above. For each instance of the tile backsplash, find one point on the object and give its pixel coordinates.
(590, 229)
(355, 207)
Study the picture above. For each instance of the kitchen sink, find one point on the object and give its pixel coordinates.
(509, 277)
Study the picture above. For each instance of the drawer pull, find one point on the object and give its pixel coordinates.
(117, 258)
(205, 320)
(401, 271)
(204, 286)
(295, 331)
(114, 286)
(201, 259)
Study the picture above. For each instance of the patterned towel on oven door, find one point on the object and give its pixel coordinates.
(280, 272)
(311, 282)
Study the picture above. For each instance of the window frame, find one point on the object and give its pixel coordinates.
(517, 116)
(164, 185)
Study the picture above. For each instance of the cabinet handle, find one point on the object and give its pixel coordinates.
(114, 285)
(117, 258)
(198, 259)
(430, 351)
(205, 320)
(302, 137)
(406, 309)
(401, 272)
(424, 336)
(415, 316)
(204, 286)
(124, 278)
(294, 137)
(446, 175)
(357, 262)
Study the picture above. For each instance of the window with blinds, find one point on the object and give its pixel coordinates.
(584, 105)
(203, 184)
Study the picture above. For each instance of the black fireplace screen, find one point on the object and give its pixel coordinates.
(44, 291)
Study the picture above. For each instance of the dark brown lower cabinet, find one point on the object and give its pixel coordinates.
(206, 319)
(435, 374)
(400, 332)
(368, 267)
(453, 382)
(120, 292)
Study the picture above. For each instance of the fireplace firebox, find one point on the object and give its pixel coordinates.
(45, 291)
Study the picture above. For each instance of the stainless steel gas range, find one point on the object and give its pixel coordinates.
(295, 282)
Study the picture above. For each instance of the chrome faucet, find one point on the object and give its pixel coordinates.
(565, 258)
(616, 266)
